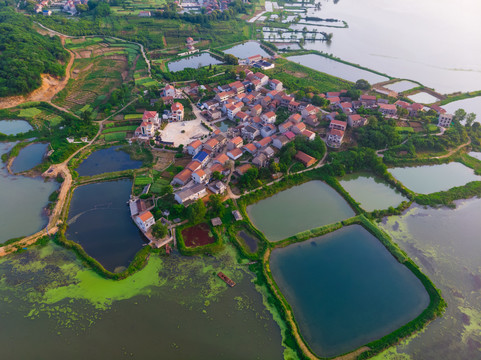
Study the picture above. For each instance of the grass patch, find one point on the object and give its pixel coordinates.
(29, 112)
(116, 136)
(119, 128)
(133, 116)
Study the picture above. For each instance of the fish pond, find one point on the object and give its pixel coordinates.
(446, 244)
(23, 200)
(176, 306)
(336, 68)
(99, 220)
(250, 240)
(472, 105)
(297, 209)
(423, 98)
(433, 178)
(249, 48)
(371, 192)
(107, 160)
(346, 289)
(29, 157)
(194, 62)
(14, 127)
(401, 86)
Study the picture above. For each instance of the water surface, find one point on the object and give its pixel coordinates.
(99, 220)
(14, 127)
(401, 86)
(472, 105)
(194, 62)
(346, 289)
(249, 48)
(297, 209)
(107, 160)
(446, 244)
(224, 125)
(336, 68)
(29, 157)
(23, 199)
(433, 178)
(371, 192)
(423, 98)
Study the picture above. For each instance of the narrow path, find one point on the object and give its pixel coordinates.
(454, 150)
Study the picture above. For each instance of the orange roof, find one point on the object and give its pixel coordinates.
(222, 158)
(250, 147)
(237, 140)
(146, 216)
(267, 140)
(195, 144)
(308, 133)
(235, 152)
(149, 115)
(177, 106)
(304, 158)
(270, 114)
(184, 175)
(200, 173)
(211, 142)
(193, 165)
(217, 167)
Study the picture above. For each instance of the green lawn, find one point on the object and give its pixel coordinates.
(29, 112)
(143, 180)
(119, 128)
(404, 129)
(133, 116)
(116, 136)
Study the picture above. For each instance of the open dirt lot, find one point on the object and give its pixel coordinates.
(183, 132)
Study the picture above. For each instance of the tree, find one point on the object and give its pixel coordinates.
(168, 189)
(242, 75)
(102, 9)
(196, 212)
(353, 93)
(217, 175)
(159, 230)
(362, 84)
(470, 119)
(216, 205)
(459, 115)
(230, 59)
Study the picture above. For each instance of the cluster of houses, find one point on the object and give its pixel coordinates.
(209, 5)
(257, 62)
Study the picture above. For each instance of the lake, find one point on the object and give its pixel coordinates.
(22, 195)
(249, 48)
(336, 68)
(371, 192)
(107, 160)
(224, 125)
(476, 155)
(29, 157)
(401, 86)
(433, 178)
(445, 244)
(472, 105)
(426, 59)
(14, 127)
(99, 220)
(175, 306)
(423, 98)
(194, 62)
(297, 209)
(346, 289)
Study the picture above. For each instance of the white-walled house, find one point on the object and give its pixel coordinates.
(445, 120)
(145, 220)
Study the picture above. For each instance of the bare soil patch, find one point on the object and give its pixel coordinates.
(197, 235)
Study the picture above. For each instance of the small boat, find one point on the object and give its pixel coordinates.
(226, 279)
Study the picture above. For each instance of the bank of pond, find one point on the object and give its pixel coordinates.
(299, 208)
(107, 160)
(247, 49)
(99, 220)
(29, 157)
(24, 199)
(14, 127)
(346, 289)
(429, 179)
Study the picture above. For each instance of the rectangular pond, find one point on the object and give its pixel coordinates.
(14, 127)
(433, 178)
(224, 125)
(371, 192)
(195, 61)
(107, 160)
(297, 209)
(29, 157)
(99, 220)
(249, 48)
(423, 98)
(401, 86)
(346, 289)
(336, 68)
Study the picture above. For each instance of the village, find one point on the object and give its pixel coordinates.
(256, 138)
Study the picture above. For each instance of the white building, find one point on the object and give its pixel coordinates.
(445, 120)
(145, 220)
(195, 192)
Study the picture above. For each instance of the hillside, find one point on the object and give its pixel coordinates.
(25, 55)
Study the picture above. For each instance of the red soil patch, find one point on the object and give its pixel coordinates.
(197, 235)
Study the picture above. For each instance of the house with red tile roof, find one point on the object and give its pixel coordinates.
(338, 124)
(307, 160)
(145, 220)
(269, 117)
(356, 120)
(199, 176)
(236, 142)
(250, 148)
(194, 147)
(234, 154)
(182, 178)
(335, 137)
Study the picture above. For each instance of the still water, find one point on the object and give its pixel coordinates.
(472, 105)
(14, 127)
(446, 244)
(371, 192)
(29, 157)
(23, 199)
(297, 209)
(194, 62)
(433, 178)
(336, 68)
(107, 160)
(401, 86)
(346, 289)
(249, 48)
(99, 220)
